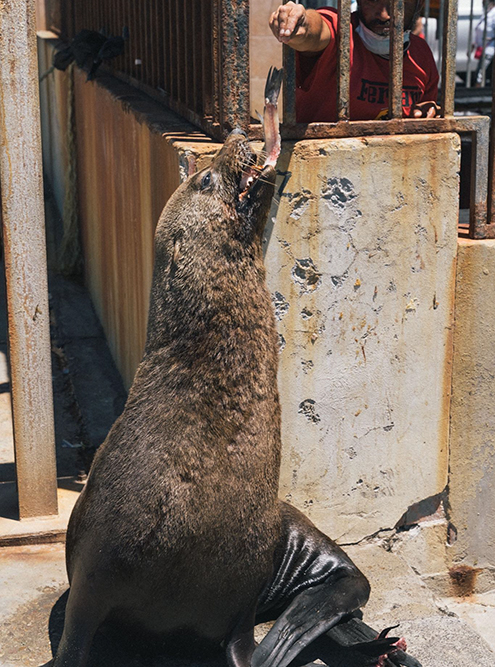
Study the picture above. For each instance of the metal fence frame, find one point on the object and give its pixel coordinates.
(205, 78)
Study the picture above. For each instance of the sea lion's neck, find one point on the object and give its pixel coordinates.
(227, 309)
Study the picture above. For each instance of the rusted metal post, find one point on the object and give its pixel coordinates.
(491, 159)
(396, 59)
(448, 57)
(234, 48)
(289, 90)
(478, 227)
(344, 60)
(25, 261)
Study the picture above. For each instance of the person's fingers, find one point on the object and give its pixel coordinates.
(424, 110)
(285, 20)
(294, 19)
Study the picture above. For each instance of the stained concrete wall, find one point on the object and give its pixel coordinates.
(472, 456)
(361, 264)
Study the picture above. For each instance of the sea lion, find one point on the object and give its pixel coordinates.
(179, 527)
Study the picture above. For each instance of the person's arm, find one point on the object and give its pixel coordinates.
(302, 29)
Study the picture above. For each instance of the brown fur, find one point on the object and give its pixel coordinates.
(177, 525)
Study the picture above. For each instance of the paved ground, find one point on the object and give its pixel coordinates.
(88, 396)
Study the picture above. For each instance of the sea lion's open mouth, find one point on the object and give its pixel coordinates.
(249, 178)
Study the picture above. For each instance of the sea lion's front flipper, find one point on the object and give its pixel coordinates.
(315, 585)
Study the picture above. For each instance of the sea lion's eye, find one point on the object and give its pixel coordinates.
(206, 180)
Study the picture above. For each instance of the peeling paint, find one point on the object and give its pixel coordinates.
(339, 192)
(307, 365)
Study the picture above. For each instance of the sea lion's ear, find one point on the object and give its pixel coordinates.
(174, 262)
(176, 253)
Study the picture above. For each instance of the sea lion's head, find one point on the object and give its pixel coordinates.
(230, 198)
(243, 186)
(208, 256)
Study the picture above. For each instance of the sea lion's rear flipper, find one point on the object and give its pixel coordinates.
(355, 633)
(315, 585)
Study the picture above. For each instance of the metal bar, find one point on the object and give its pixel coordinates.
(367, 128)
(440, 34)
(289, 87)
(344, 60)
(165, 45)
(427, 16)
(448, 57)
(491, 158)
(188, 47)
(207, 57)
(196, 56)
(217, 105)
(234, 47)
(180, 74)
(483, 54)
(171, 90)
(479, 182)
(396, 58)
(25, 262)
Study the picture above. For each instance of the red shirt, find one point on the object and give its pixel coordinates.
(316, 78)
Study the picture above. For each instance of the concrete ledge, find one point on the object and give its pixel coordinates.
(40, 530)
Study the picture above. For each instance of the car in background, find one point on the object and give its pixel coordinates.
(468, 16)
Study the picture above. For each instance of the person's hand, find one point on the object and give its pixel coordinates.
(289, 21)
(424, 110)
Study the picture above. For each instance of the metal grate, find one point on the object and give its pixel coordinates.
(191, 53)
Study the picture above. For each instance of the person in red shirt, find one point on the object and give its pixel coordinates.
(313, 34)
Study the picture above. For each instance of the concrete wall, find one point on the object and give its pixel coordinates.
(361, 263)
(472, 457)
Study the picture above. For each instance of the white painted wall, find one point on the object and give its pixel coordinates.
(361, 263)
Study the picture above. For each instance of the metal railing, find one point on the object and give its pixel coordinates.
(481, 219)
(190, 53)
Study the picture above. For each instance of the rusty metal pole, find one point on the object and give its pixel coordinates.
(25, 260)
(344, 60)
(234, 52)
(448, 57)
(396, 64)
